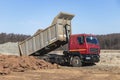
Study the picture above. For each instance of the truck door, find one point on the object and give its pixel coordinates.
(80, 44)
(76, 43)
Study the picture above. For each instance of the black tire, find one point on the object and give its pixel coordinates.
(76, 61)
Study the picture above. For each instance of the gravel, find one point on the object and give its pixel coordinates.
(110, 59)
(9, 48)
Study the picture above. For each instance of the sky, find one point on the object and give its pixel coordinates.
(91, 16)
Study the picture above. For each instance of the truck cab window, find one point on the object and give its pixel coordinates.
(92, 40)
(80, 40)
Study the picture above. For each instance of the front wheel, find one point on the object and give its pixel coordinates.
(76, 61)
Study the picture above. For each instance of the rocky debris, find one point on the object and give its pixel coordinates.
(10, 63)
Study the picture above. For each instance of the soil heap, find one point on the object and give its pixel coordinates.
(12, 63)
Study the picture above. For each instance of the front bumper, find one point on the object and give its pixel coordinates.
(90, 58)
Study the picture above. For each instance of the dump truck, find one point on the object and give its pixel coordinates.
(79, 48)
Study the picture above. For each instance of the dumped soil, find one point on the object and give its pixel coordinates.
(10, 63)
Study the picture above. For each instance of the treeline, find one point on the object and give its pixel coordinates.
(12, 37)
(110, 41)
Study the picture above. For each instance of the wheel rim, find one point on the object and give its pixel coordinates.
(76, 62)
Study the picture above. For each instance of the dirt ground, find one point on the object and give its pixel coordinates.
(66, 73)
(107, 69)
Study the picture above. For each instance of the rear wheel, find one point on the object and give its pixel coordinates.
(76, 61)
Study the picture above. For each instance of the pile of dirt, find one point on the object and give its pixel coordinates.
(10, 63)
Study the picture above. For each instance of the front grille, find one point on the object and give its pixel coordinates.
(94, 50)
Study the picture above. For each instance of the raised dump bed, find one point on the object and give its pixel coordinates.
(44, 41)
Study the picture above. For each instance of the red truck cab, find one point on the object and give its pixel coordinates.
(86, 46)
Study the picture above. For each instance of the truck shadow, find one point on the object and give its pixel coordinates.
(84, 65)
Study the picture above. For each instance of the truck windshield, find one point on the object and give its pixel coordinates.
(91, 40)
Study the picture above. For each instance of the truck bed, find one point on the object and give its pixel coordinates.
(44, 41)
